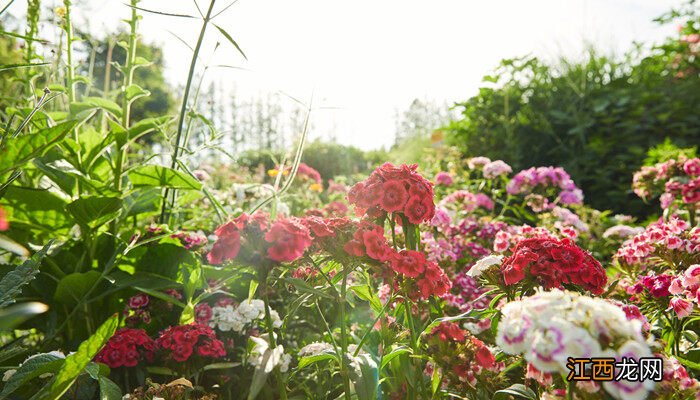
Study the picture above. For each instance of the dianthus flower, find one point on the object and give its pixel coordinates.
(181, 342)
(126, 348)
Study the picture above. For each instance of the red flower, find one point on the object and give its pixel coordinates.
(138, 301)
(419, 209)
(483, 355)
(289, 239)
(228, 242)
(203, 313)
(394, 196)
(126, 348)
(182, 341)
(409, 262)
(447, 331)
(434, 282)
(376, 246)
(317, 226)
(553, 263)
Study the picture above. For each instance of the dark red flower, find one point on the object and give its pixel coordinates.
(203, 313)
(126, 348)
(138, 301)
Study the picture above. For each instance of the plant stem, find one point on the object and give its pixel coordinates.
(271, 331)
(183, 108)
(126, 104)
(70, 78)
(344, 334)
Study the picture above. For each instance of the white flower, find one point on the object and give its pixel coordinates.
(480, 266)
(271, 358)
(627, 389)
(8, 374)
(315, 348)
(126, 396)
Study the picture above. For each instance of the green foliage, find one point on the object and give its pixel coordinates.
(666, 151)
(596, 118)
(329, 159)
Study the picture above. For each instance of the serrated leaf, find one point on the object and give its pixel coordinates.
(160, 176)
(17, 151)
(12, 283)
(76, 362)
(38, 365)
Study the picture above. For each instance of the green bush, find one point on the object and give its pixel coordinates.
(596, 118)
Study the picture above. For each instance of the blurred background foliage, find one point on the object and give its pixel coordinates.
(597, 117)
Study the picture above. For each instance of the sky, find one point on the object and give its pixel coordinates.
(363, 60)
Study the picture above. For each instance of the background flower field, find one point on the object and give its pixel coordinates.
(543, 221)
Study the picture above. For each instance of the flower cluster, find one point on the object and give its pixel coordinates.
(460, 355)
(126, 348)
(680, 293)
(229, 318)
(392, 189)
(182, 341)
(672, 239)
(285, 240)
(549, 327)
(466, 201)
(190, 240)
(496, 168)
(553, 263)
(675, 180)
(526, 181)
(444, 178)
(273, 358)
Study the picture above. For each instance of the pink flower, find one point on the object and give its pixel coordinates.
(4, 224)
(692, 275)
(692, 167)
(443, 178)
(496, 168)
(138, 301)
(681, 306)
(289, 240)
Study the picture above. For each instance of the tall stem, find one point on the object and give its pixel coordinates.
(344, 334)
(183, 108)
(271, 334)
(70, 77)
(126, 104)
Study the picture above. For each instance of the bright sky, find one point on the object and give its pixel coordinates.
(365, 59)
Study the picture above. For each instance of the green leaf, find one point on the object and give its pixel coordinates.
(365, 293)
(76, 362)
(17, 151)
(395, 352)
(12, 283)
(252, 288)
(13, 316)
(147, 125)
(516, 390)
(36, 209)
(304, 287)
(90, 103)
(367, 381)
(309, 360)
(160, 176)
(230, 39)
(109, 390)
(32, 368)
(134, 92)
(163, 296)
(7, 67)
(92, 211)
(72, 287)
